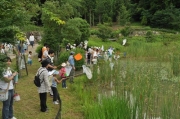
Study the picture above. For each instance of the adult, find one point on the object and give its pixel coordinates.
(72, 64)
(68, 47)
(95, 55)
(27, 42)
(7, 83)
(51, 66)
(25, 46)
(110, 50)
(2, 49)
(45, 52)
(45, 87)
(50, 58)
(40, 56)
(21, 52)
(31, 39)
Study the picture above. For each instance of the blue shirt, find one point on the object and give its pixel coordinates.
(54, 83)
(71, 60)
(21, 50)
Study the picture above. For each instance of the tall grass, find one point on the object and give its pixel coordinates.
(143, 84)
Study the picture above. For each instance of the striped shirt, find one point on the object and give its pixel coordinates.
(44, 80)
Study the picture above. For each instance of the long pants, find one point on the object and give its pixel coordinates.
(55, 93)
(71, 76)
(64, 83)
(43, 98)
(7, 111)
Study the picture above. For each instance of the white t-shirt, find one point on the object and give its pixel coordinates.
(2, 51)
(27, 41)
(3, 84)
(29, 57)
(31, 38)
(110, 51)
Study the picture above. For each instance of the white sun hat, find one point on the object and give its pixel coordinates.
(63, 64)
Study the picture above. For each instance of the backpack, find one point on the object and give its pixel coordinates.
(37, 81)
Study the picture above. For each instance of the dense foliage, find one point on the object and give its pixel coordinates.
(14, 16)
(63, 57)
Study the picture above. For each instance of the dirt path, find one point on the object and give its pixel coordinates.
(12, 56)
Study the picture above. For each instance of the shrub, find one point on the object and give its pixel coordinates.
(94, 32)
(149, 36)
(39, 48)
(115, 34)
(126, 31)
(64, 55)
(104, 32)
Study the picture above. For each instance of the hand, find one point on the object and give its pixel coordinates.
(63, 79)
(14, 74)
(55, 67)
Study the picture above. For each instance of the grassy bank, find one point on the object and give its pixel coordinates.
(28, 107)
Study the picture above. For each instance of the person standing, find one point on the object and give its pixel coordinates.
(55, 81)
(21, 52)
(51, 66)
(68, 47)
(45, 87)
(72, 64)
(45, 52)
(7, 83)
(31, 39)
(30, 58)
(62, 73)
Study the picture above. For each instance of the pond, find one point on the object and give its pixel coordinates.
(149, 87)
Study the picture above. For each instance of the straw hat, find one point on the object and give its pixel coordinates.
(63, 64)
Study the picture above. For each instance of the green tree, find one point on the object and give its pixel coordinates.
(126, 31)
(52, 24)
(13, 17)
(104, 32)
(89, 10)
(123, 16)
(76, 30)
(168, 18)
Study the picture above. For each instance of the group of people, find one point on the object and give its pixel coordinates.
(50, 74)
(94, 54)
(82, 45)
(6, 48)
(9, 76)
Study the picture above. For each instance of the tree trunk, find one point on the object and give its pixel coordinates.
(93, 19)
(90, 17)
(99, 18)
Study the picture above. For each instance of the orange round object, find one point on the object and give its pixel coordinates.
(78, 57)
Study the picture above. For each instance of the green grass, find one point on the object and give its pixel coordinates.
(146, 74)
(29, 108)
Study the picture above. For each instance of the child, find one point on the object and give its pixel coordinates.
(30, 58)
(54, 87)
(62, 73)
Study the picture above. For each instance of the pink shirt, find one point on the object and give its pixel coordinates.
(62, 72)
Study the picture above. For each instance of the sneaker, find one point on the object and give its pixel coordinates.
(55, 102)
(13, 118)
